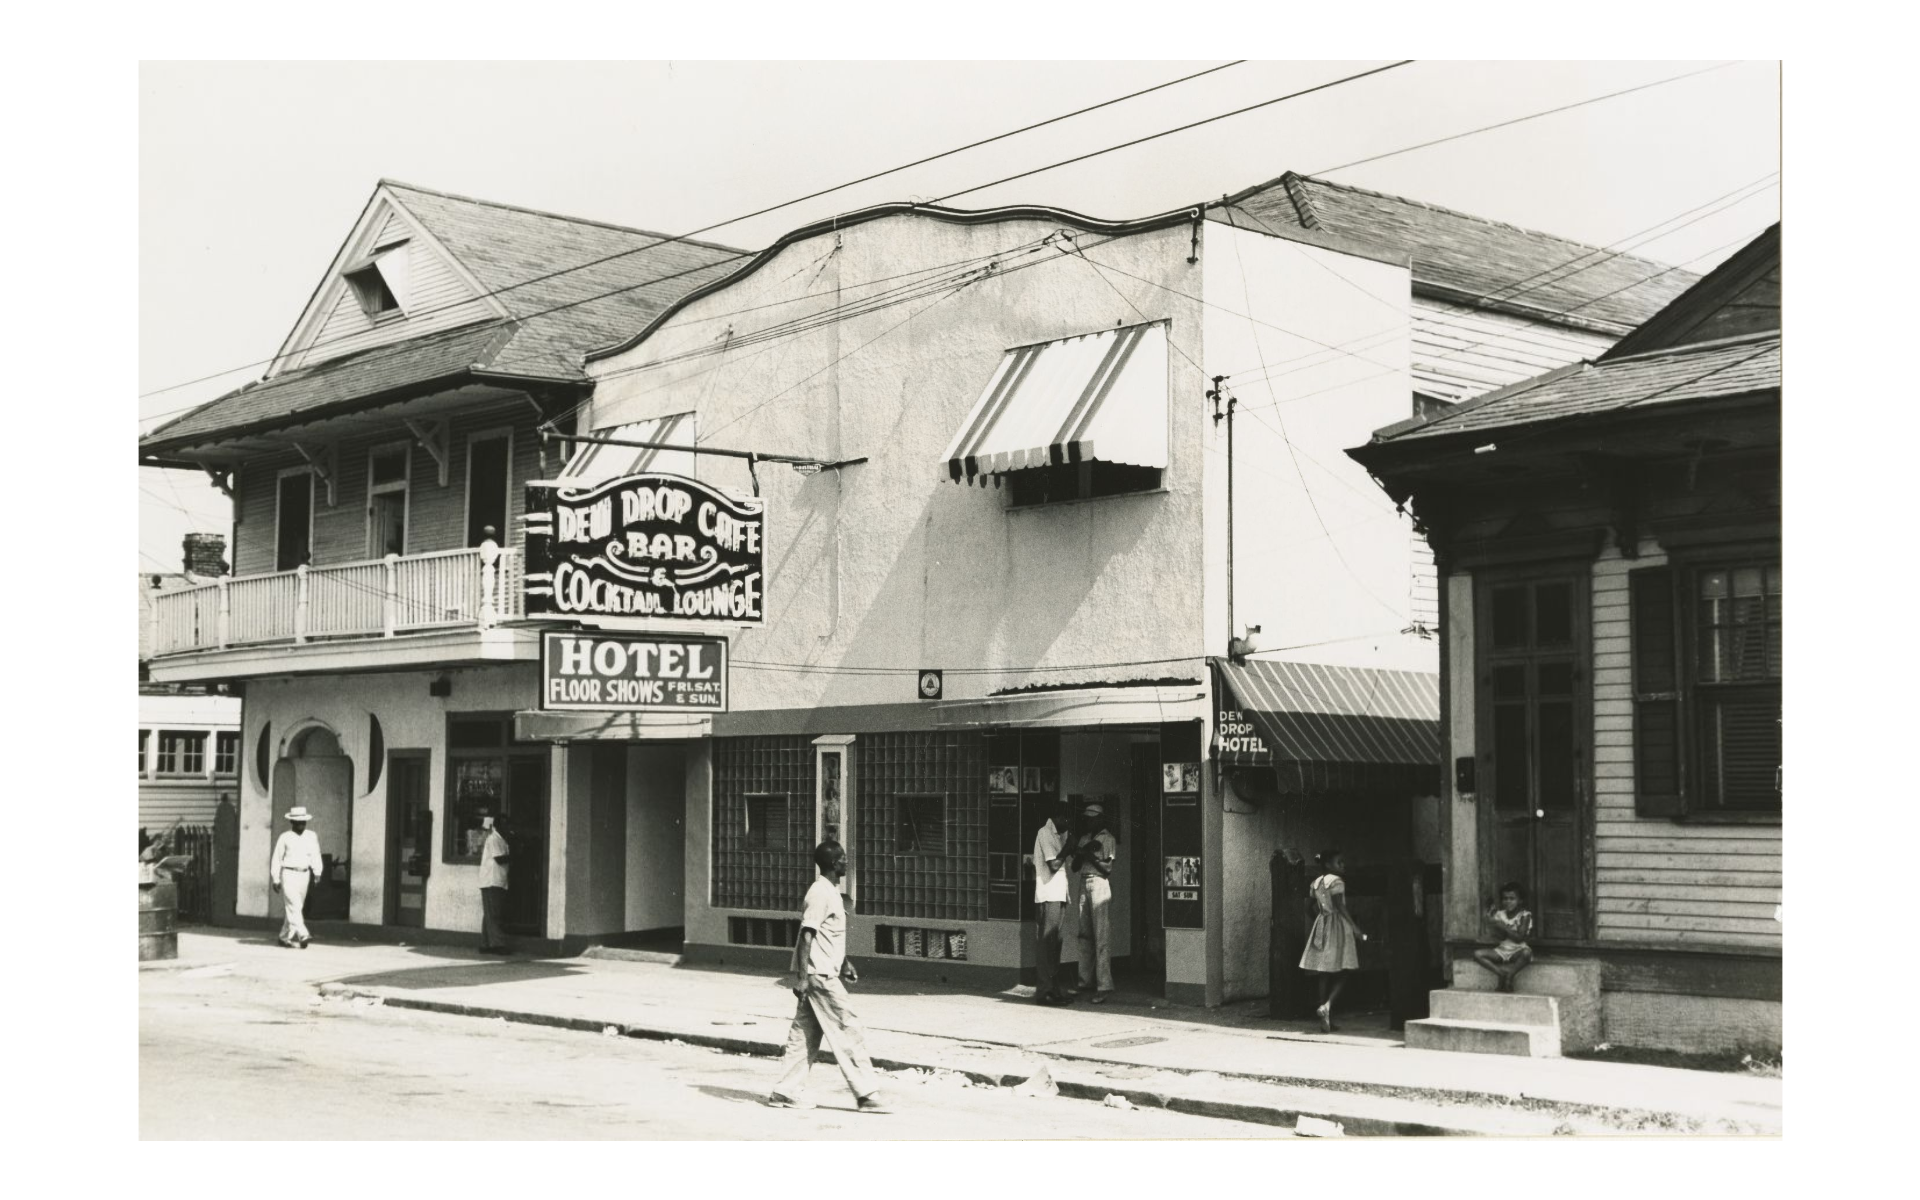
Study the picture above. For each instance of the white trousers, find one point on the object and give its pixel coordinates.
(293, 895)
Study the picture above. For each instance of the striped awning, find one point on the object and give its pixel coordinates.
(1098, 396)
(595, 463)
(1269, 713)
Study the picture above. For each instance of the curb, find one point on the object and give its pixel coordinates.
(179, 964)
(1286, 1116)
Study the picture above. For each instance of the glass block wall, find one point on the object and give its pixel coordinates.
(949, 885)
(777, 877)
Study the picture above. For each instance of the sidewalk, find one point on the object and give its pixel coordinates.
(1231, 1064)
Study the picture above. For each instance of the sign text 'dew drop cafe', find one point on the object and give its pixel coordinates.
(655, 546)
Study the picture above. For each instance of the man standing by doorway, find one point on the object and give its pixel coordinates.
(1050, 902)
(824, 1012)
(296, 864)
(1094, 850)
(494, 856)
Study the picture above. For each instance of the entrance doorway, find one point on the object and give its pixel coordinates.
(409, 839)
(315, 775)
(1533, 744)
(490, 775)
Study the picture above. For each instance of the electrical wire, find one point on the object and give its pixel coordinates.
(664, 239)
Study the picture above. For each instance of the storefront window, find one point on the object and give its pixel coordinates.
(486, 772)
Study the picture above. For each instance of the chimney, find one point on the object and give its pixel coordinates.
(204, 554)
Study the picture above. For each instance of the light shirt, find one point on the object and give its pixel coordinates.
(298, 852)
(1049, 885)
(1107, 847)
(826, 914)
(493, 872)
(1514, 929)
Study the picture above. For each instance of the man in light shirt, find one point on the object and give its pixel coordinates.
(1050, 900)
(1092, 857)
(824, 1012)
(296, 864)
(493, 887)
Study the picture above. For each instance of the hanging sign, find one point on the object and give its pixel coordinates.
(1237, 741)
(593, 671)
(657, 546)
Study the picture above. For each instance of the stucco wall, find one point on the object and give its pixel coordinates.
(656, 869)
(887, 563)
(1314, 344)
(410, 719)
(1694, 1024)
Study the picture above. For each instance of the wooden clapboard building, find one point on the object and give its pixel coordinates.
(1608, 539)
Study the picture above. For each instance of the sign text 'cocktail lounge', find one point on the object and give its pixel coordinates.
(660, 546)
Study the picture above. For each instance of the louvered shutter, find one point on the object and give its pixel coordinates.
(1658, 774)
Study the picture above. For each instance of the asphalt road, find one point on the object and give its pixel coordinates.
(251, 1052)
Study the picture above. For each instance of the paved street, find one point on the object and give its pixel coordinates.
(249, 1051)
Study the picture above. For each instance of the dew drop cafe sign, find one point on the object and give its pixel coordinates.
(656, 546)
(593, 671)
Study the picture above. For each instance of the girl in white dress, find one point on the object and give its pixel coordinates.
(1333, 946)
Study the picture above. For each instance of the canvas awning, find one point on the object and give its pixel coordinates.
(1274, 713)
(1098, 396)
(596, 462)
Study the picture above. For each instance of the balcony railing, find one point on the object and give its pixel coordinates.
(381, 597)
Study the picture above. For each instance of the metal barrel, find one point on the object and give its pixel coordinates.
(159, 913)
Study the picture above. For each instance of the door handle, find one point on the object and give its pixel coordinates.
(1539, 812)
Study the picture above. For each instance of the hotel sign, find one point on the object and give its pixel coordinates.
(593, 671)
(662, 547)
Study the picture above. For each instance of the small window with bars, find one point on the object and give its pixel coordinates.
(766, 825)
(920, 825)
(182, 753)
(226, 752)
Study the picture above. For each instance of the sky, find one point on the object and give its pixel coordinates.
(251, 174)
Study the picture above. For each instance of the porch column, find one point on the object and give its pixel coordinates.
(557, 796)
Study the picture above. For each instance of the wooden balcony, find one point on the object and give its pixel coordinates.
(377, 598)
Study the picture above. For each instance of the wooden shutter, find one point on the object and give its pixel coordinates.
(1658, 772)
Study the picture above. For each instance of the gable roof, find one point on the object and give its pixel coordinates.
(1679, 358)
(1467, 259)
(1738, 297)
(566, 285)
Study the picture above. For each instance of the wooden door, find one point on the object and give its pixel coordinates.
(1534, 745)
(409, 839)
(526, 806)
(1148, 952)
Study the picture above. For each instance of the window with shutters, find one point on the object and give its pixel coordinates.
(766, 827)
(1707, 688)
(920, 825)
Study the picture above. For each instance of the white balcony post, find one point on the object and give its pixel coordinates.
(392, 606)
(154, 645)
(489, 557)
(300, 603)
(225, 611)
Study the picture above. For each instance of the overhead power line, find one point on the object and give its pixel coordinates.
(772, 208)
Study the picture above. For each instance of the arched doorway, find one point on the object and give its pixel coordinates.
(313, 773)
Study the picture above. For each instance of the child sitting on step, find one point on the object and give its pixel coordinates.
(1514, 925)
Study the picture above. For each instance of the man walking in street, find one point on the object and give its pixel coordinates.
(296, 864)
(493, 887)
(1093, 853)
(824, 1011)
(1050, 902)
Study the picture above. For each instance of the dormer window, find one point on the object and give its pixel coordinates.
(379, 282)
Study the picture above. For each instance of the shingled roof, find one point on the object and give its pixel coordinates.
(1688, 362)
(1462, 258)
(551, 322)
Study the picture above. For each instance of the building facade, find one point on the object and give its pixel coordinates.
(1018, 477)
(1608, 538)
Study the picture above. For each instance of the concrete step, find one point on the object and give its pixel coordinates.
(1501, 1008)
(1483, 1037)
(1573, 983)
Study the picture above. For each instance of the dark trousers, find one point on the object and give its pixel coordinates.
(493, 907)
(1047, 968)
